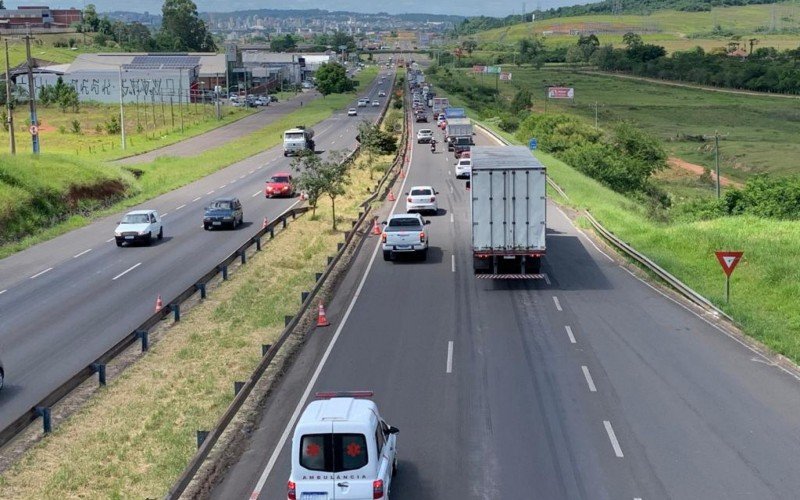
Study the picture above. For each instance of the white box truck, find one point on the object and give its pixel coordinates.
(458, 127)
(508, 211)
(298, 140)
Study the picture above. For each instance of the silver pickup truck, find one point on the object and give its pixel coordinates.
(405, 233)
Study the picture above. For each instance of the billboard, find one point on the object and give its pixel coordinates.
(560, 93)
(505, 77)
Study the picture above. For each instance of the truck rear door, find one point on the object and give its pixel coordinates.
(517, 206)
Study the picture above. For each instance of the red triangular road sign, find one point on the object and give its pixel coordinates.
(729, 260)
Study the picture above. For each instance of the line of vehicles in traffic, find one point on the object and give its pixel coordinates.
(147, 226)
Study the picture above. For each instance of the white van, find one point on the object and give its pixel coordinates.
(342, 450)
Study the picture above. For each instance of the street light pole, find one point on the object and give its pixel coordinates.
(121, 108)
(9, 111)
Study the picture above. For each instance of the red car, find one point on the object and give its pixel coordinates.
(279, 185)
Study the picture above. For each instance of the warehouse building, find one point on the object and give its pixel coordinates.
(38, 17)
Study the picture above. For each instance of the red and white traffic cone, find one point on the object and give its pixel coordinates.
(402, 174)
(322, 319)
(159, 303)
(391, 196)
(265, 224)
(376, 229)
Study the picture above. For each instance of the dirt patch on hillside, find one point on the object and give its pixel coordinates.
(108, 190)
(699, 169)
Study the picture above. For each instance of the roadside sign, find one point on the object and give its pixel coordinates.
(533, 144)
(728, 260)
(505, 77)
(34, 130)
(493, 69)
(479, 69)
(560, 92)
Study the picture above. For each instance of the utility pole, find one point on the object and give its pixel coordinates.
(595, 115)
(180, 96)
(121, 108)
(716, 160)
(32, 93)
(9, 111)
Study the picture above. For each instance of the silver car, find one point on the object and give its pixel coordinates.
(422, 199)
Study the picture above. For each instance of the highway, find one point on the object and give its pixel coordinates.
(587, 383)
(66, 301)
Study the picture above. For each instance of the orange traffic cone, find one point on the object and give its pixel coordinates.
(159, 303)
(376, 229)
(265, 224)
(402, 174)
(322, 319)
(391, 196)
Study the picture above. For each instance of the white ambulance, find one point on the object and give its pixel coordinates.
(342, 450)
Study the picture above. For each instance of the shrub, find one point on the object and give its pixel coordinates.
(112, 126)
(508, 123)
(75, 126)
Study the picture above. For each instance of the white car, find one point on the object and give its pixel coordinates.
(376, 103)
(342, 448)
(352, 112)
(362, 103)
(404, 233)
(422, 199)
(139, 226)
(381, 94)
(464, 168)
(424, 135)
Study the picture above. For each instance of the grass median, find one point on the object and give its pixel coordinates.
(135, 436)
(169, 173)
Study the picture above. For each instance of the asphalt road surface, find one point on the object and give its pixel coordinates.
(222, 135)
(588, 383)
(66, 301)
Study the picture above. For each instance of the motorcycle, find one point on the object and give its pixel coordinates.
(433, 146)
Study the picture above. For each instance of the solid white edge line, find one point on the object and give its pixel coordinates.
(450, 357)
(613, 438)
(588, 376)
(41, 273)
(180, 207)
(285, 435)
(197, 199)
(82, 253)
(570, 334)
(557, 303)
(453, 262)
(123, 273)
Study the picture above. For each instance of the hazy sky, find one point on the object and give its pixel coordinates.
(459, 7)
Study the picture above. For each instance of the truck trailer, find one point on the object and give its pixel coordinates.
(508, 211)
(456, 128)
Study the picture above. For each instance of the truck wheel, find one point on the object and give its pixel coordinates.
(285, 154)
(119, 243)
(149, 239)
(394, 468)
(387, 255)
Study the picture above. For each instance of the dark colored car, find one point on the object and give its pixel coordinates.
(223, 212)
(280, 184)
(422, 117)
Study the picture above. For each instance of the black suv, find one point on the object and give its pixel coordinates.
(223, 212)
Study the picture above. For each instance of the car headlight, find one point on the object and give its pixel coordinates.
(142, 233)
(227, 217)
(117, 234)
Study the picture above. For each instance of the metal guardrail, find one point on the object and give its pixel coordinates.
(42, 408)
(186, 477)
(631, 252)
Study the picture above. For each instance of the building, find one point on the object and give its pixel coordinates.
(137, 76)
(38, 17)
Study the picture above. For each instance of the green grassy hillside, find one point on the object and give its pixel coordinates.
(776, 25)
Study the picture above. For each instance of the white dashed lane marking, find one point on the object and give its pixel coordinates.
(123, 273)
(182, 206)
(570, 334)
(613, 438)
(82, 253)
(41, 273)
(558, 304)
(589, 380)
(197, 199)
(450, 357)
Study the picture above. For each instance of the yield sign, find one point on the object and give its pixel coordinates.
(728, 260)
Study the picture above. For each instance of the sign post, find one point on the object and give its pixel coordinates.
(728, 261)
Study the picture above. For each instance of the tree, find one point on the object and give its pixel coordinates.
(631, 40)
(318, 177)
(182, 29)
(284, 44)
(469, 46)
(90, 20)
(332, 78)
(522, 100)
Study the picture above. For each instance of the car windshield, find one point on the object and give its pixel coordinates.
(221, 205)
(425, 131)
(421, 192)
(136, 219)
(333, 452)
(279, 179)
(293, 135)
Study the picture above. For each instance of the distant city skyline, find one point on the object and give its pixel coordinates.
(496, 8)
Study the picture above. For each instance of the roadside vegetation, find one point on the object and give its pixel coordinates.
(136, 436)
(160, 176)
